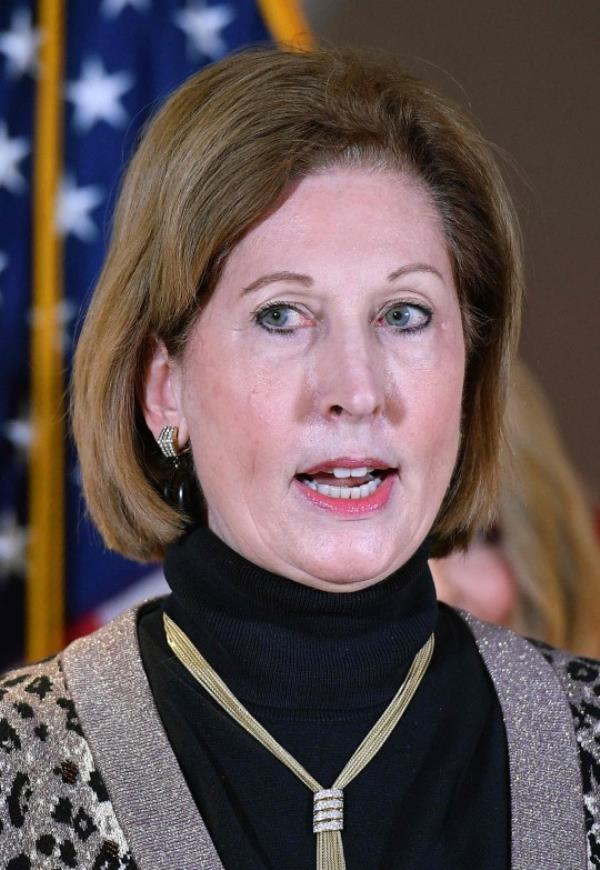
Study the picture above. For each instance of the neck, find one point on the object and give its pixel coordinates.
(279, 643)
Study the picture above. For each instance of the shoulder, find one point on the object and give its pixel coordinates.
(55, 806)
(27, 694)
(512, 656)
(580, 676)
(580, 679)
(532, 675)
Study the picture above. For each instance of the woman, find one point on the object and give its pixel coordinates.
(540, 561)
(309, 305)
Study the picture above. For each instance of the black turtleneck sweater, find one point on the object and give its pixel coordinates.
(317, 669)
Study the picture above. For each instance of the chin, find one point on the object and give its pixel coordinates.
(347, 572)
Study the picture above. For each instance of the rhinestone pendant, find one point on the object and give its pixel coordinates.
(328, 810)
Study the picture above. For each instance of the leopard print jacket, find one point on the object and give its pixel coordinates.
(56, 811)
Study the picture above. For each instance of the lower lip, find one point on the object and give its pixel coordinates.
(350, 506)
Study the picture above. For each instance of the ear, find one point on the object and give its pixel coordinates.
(161, 393)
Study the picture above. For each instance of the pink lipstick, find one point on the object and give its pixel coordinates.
(378, 491)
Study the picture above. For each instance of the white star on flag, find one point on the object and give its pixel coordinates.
(73, 207)
(13, 542)
(203, 25)
(112, 8)
(19, 433)
(20, 44)
(64, 312)
(96, 95)
(11, 152)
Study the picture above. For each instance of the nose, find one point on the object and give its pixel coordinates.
(350, 377)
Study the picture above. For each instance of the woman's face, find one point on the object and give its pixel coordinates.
(333, 340)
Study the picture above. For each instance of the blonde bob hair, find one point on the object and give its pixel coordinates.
(221, 153)
(547, 527)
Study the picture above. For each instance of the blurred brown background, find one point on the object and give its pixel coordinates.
(529, 71)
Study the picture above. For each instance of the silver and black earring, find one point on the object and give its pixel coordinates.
(181, 489)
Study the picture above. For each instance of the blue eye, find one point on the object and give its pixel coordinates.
(278, 318)
(274, 317)
(408, 318)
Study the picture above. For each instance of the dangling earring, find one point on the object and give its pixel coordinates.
(181, 490)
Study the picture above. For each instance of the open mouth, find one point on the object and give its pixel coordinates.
(347, 483)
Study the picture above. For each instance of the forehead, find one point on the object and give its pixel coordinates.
(345, 218)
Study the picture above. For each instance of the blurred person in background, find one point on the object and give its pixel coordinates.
(536, 569)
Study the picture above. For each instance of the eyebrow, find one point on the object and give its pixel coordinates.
(307, 281)
(413, 267)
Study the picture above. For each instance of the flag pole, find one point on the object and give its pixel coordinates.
(287, 22)
(45, 605)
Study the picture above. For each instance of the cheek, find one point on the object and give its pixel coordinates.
(433, 414)
(270, 419)
(446, 393)
(230, 405)
(210, 399)
(429, 379)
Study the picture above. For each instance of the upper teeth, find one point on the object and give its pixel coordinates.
(351, 472)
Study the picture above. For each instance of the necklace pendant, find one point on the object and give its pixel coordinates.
(328, 810)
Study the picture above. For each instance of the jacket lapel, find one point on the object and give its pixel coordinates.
(150, 797)
(547, 817)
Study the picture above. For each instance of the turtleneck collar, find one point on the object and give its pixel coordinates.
(282, 644)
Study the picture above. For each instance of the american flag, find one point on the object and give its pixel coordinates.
(120, 58)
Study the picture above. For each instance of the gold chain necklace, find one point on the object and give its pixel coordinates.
(328, 803)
